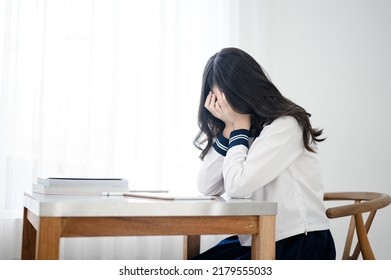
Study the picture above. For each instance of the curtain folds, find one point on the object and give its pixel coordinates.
(103, 88)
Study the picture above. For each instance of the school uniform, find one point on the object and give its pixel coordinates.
(271, 166)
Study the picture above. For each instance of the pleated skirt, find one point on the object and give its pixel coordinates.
(316, 245)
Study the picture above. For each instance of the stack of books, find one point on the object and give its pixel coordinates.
(80, 185)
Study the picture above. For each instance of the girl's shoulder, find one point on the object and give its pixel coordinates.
(286, 125)
(285, 120)
(283, 123)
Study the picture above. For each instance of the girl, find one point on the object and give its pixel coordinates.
(258, 144)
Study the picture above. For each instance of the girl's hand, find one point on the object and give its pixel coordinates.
(217, 104)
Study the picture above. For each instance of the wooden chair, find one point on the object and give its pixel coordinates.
(364, 202)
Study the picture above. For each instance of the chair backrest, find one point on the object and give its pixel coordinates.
(364, 202)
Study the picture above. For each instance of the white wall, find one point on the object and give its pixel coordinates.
(333, 58)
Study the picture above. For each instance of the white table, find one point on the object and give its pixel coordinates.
(47, 218)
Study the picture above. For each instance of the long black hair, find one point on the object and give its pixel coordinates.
(248, 91)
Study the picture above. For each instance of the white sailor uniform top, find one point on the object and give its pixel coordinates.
(275, 166)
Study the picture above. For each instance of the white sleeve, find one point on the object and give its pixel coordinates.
(246, 170)
(210, 177)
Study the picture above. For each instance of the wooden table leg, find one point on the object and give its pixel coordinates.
(191, 246)
(48, 241)
(263, 245)
(29, 238)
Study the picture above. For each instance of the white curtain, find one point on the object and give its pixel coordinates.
(106, 88)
